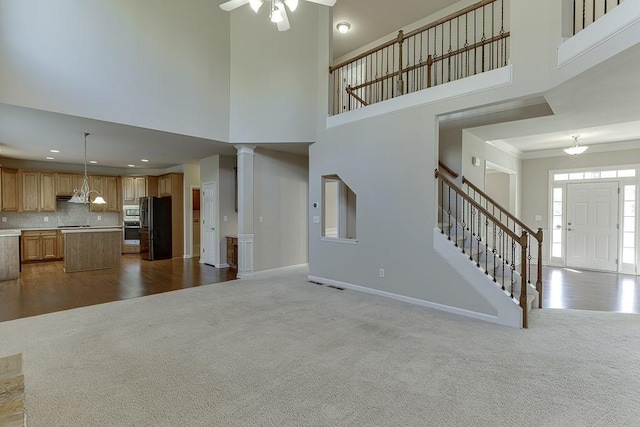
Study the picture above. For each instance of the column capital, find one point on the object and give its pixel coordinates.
(245, 148)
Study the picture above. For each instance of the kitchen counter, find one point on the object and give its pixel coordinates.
(91, 248)
(9, 254)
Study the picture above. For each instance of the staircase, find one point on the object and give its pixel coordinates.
(495, 243)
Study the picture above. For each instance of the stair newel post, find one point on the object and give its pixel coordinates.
(523, 280)
(539, 280)
(400, 88)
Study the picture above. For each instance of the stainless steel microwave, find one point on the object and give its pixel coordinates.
(131, 213)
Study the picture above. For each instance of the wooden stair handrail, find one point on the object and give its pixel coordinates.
(537, 235)
(522, 240)
(448, 170)
(477, 205)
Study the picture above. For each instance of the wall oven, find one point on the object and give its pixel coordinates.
(131, 230)
(131, 225)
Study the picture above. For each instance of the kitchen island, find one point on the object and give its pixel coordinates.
(9, 254)
(93, 248)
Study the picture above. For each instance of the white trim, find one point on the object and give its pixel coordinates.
(280, 269)
(617, 21)
(245, 149)
(478, 83)
(339, 240)
(223, 265)
(410, 300)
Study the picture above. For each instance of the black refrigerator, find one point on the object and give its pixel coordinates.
(155, 228)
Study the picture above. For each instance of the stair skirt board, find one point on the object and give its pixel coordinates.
(448, 309)
(509, 312)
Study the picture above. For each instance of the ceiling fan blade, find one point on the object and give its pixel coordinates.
(284, 24)
(323, 2)
(233, 4)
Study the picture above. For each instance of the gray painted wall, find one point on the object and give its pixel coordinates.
(148, 63)
(280, 198)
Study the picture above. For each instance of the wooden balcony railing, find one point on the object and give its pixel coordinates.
(489, 243)
(586, 12)
(470, 41)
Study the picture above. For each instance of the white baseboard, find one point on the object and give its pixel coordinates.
(410, 300)
(223, 265)
(280, 269)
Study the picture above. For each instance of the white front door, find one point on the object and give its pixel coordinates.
(209, 243)
(592, 225)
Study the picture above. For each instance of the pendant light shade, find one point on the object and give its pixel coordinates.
(83, 194)
(576, 148)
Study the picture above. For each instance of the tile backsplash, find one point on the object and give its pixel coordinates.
(66, 214)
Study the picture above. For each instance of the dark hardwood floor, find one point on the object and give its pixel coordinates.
(46, 288)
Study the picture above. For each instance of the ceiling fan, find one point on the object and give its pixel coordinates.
(277, 13)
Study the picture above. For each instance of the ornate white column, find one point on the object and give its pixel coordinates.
(245, 209)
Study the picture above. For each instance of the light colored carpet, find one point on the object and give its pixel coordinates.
(278, 351)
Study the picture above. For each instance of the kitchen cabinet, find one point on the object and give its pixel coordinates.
(40, 245)
(134, 188)
(152, 186)
(9, 190)
(67, 182)
(107, 186)
(38, 191)
(232, 251)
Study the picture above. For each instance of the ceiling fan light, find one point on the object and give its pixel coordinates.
(255, 5)
(343, 27)
(291, 4)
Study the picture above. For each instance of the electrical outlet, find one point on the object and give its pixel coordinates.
(46, 219)
(99, 218)
(260, 219)
(4, 219)
(225, 218)
(382, 272)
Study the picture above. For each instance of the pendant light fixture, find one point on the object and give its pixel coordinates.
(576, 148)
(82, 195)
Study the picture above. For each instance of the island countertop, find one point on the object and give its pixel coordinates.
(91, 230)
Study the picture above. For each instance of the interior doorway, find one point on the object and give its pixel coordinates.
(208, 222)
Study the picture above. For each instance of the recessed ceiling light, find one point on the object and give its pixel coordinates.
(144, 160)
(93, 161)
(50, 158)
(55, 151)
(343, 27)
(132, 166)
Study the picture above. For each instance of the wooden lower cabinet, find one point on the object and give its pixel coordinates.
(41, 245)
(232, 251)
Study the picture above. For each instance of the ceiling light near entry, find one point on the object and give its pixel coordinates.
(343, 27)
(576, 148)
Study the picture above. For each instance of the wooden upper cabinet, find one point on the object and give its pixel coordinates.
(47, 192)
(30, 191)
(67, 182)
(9, 190)
(38, 191)
(107, 186)
(134, 188)
(164, 185)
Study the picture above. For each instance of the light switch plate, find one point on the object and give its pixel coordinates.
(225, 218)
(538, 217)
(316, 219)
